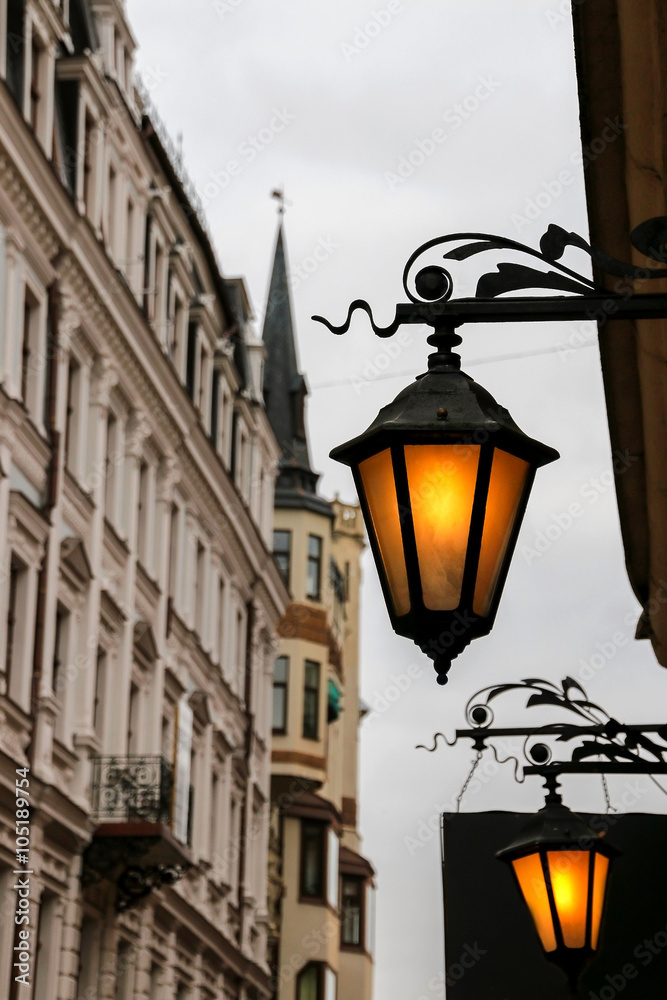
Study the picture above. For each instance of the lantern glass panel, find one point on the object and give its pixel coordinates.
(530, 875)
(508, 478)
(441, 481)
(569, 882)
(377, 477)
(599, 884)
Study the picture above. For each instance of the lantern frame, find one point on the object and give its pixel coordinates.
(444, 407)
(557, 829)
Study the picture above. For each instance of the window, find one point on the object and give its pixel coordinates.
(309, 982)
(73, 416)
(220, 638)
(215, 408)
(330, 984)
(133, 724)
(332, 868)
(314, 568)
(110, 227)
(280, 671)
(142, 518)
(148, 268)
(89, 141)
(14, 650)
(191, 359)
(311, 700)
(351, 923)
(111, 469)
(36, 52)
(129, 241)
(15, 575)
(282, 543)
(316, 982)
(313, 850)
(174, 553)
(59, 649)
(200, 593)
(100, 685)
(32, 350)
(15, 49)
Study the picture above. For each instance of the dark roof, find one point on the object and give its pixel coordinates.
(285, 392)
(351, 863)
(307, 805)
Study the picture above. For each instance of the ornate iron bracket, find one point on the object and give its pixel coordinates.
(596, 744)
(429, 287)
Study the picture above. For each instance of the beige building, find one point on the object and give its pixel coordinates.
(321, 887)
(138, 594)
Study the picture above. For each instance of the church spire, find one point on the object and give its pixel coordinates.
(285, 391)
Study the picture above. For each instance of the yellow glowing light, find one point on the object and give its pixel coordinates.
(599, 885)
(377, 476)
(531, 880)
(569, 881)
(508, 478)
(441, 480)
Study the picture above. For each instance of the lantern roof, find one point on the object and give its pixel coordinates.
(555, 827)
(441, 404)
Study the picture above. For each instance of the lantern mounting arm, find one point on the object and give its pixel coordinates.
(596, 744)
(430, 288)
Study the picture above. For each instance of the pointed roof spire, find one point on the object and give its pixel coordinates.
(285, 390)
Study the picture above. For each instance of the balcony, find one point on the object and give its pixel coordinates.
(142, 834)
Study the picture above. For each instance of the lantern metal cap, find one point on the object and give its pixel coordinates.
(444, 404)
(556, 828)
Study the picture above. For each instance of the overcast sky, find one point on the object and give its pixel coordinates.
(336, 100)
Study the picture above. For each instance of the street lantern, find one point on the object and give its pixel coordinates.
(444, 473)
(561, 868)
(443, 476)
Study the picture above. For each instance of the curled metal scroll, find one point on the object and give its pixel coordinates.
(595, 734)
(433, 284)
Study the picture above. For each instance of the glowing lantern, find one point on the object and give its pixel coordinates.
(443, 476)
(561, 868)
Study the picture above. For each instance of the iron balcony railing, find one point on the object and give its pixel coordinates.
(131, 788)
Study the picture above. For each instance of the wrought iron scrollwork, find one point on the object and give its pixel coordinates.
(126, 788)
(428, 286)
(595, 743)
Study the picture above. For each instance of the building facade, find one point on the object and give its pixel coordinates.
(321, 887)
(138, 594)
(622, 77)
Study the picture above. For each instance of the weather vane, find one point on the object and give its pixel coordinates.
(283, 203)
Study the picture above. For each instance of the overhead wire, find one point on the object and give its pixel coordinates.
(552, 349)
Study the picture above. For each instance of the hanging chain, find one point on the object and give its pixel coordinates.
(605, 786)
(475, 762)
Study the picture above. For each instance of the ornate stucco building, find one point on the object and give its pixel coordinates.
(321, 887)
(138, 594)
